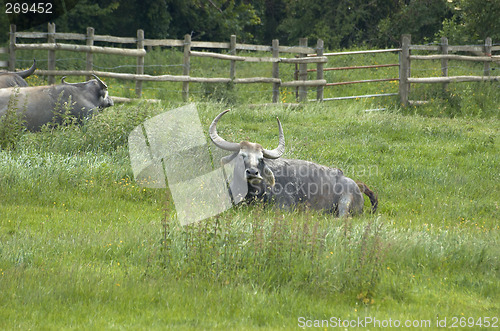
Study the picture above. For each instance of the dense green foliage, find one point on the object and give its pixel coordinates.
(339, 23)
(473, 20)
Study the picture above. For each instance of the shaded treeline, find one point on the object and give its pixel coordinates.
(340, 23)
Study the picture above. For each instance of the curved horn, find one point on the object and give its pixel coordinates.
(217, 140)
(278, 151)
(28, 72)
(66, 83)
(100, 82)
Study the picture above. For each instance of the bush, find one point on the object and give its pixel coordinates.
(105, 132)
(109, 129)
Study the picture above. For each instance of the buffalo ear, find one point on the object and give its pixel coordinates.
(269, 176)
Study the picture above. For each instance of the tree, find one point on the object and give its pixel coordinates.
(83, 14)
(340, 23)
(420, 18)
(204, 19)
(472, 20)
(212, 19)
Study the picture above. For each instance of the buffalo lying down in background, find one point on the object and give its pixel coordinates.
(41, 104)
(288, 183)
(11, 79)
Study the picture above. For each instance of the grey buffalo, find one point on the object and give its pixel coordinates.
(43, 104)
(11, 79)
(288, 183)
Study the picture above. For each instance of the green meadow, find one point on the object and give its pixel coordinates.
(82, 246)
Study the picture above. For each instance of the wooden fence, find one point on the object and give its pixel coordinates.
(405, 80)
(141, 44)
(304, 56)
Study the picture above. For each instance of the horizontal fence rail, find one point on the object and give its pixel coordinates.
(159, 78)
(362, 52)
(363, 81)
(358, 67)
(456, 57)
(453, 79)
(308, 61)
(361, 96)
(83, 49)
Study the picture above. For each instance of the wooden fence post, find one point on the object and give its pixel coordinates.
(51, 64)
(319, 70)
(232, 69)
(487, 52)
(90, 57)
(444, 62)
(12, 48)
(187, 65)
(404, 69)
(303, 72)
(296, 77)
(232, 65)
(276, 70)
(140, 63)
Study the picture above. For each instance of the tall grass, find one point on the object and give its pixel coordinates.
(12, 123)
(83, 246)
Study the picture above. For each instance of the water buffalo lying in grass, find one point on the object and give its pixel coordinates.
(11, 79)
(287, 182)
(40, 105)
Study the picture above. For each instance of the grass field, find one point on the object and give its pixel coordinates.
(82, 246)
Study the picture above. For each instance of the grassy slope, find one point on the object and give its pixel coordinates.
(82, 247)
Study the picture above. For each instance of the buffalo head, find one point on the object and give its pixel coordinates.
(94, 88)
(253, 155)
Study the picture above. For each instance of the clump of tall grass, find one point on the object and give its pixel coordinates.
(32, 172)
(459, 100)
(224, 93)
(63, 115)
(365, 259)
(11, 123)
(106, 131)
(269, 249)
